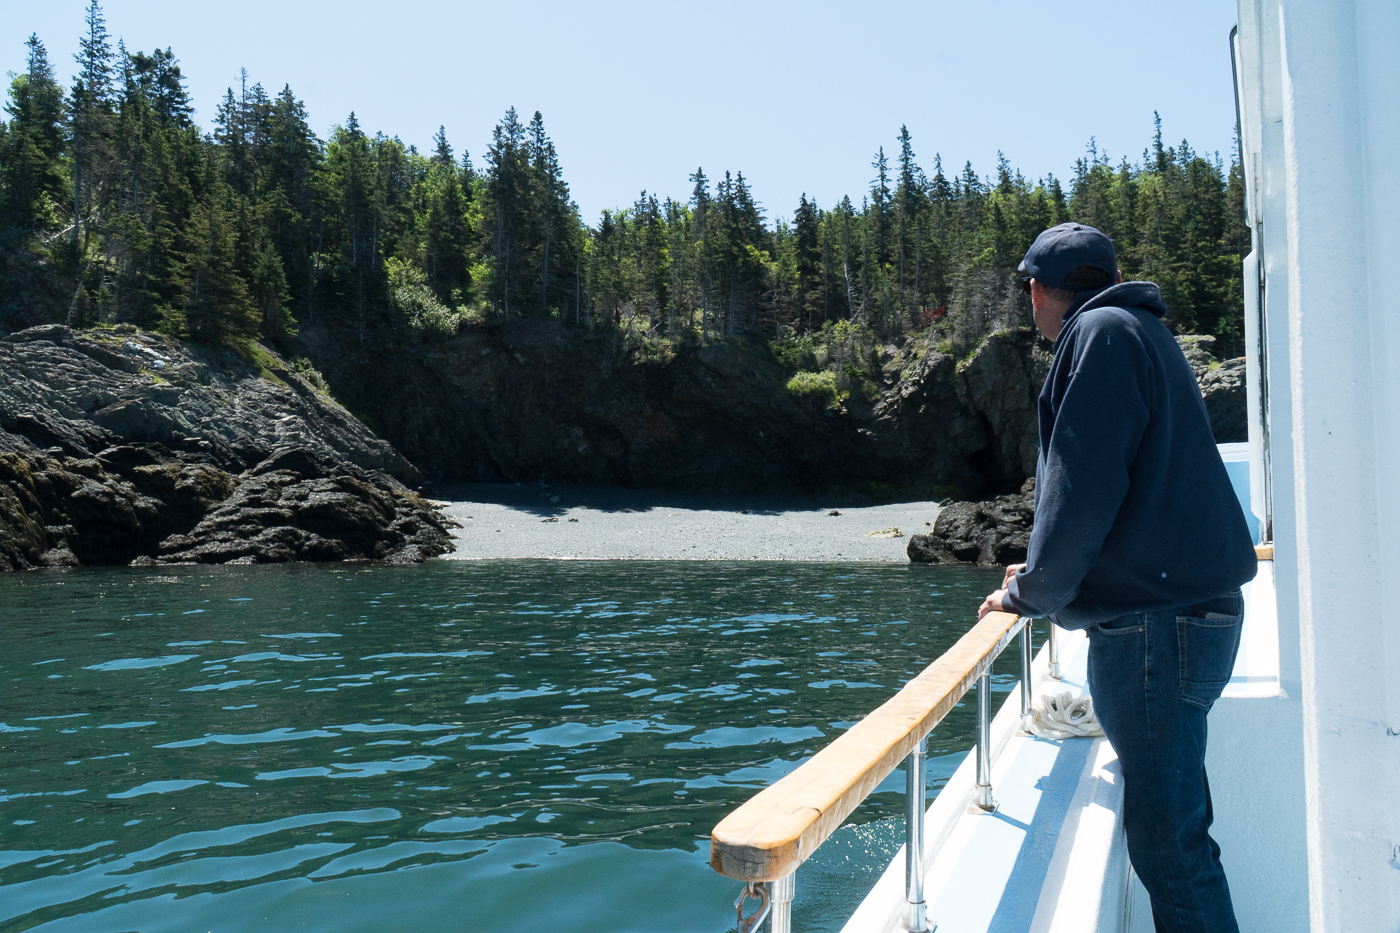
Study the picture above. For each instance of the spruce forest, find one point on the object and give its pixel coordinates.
(116, 207)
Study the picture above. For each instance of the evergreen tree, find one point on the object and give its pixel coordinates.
(508, 221)
(879, 211)
(353, 227)
(91, 105)
(34, 194)
(555, 216)
(700, 218)
(450, 237)
(159, 77)
(213, 304)
(807, 280)
(294, 210)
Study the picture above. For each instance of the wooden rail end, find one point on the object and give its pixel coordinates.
(782, 825)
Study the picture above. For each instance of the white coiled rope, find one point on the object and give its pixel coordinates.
(1063, 717)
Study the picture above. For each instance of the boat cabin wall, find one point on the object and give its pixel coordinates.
(1320, 94)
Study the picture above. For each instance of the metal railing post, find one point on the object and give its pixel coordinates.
(1054, 672)
(780, 920)
(915, 910)
(984, 743)
(1025, 668)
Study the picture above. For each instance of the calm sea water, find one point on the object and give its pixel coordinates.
(454, 746)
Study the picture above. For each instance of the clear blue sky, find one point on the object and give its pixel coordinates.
(796, 95)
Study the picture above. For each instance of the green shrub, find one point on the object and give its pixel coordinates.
(426, 317)
(825, 385)
(303, 368)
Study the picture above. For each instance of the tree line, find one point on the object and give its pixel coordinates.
(114, 198)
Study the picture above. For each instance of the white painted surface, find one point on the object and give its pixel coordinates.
(1053, 860)
(1321, 103)
(1253, 453)
(1256, 781)
(1256, 673)
(1340, 140)
(1239, 466)
(1088, 878)
(1137, 914)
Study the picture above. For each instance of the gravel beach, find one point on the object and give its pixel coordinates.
(608, 523)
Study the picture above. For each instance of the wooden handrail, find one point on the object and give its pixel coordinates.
(783, 824)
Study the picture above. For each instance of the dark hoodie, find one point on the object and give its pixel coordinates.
(1134, 511)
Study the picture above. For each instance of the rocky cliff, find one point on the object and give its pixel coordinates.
(528, 400)
(118, 447)
(525, 400)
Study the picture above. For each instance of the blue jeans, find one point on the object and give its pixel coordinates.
(1154, 676)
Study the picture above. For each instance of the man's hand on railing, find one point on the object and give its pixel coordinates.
(993, 602)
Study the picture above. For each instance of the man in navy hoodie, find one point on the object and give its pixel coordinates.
(1139, 539)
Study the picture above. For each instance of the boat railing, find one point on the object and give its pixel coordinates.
(765, 840)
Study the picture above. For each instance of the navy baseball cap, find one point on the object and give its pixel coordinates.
(1068, 246)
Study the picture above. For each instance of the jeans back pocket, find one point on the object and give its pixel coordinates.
(1207, 646)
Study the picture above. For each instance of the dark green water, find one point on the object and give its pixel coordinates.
(455, 746)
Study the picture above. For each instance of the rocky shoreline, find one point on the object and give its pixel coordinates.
(122, 447)
(995, 532)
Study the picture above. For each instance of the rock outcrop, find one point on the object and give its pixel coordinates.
(1224, 392)
(1222, 386)
(1001, 382)
(994, 532)
(119, 446)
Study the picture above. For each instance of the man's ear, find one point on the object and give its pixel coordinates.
(1119, 280)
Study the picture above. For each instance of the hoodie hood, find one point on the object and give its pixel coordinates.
(1122, 295)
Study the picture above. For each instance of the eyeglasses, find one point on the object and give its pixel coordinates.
(1026, 285)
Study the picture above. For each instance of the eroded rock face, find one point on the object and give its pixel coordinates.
(526, 400)
(292, 507)
(1199, 350)
(117, 446)
(994, 532)
(1224, 392)
(1001, 382)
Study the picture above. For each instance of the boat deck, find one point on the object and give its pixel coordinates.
(1051, 858)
